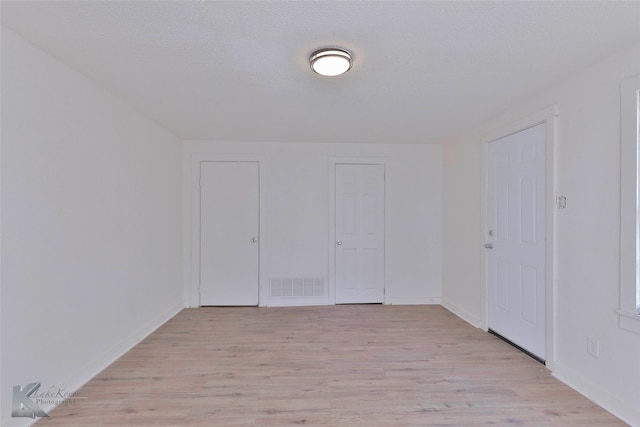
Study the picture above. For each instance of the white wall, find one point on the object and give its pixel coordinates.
(295, 218)
(91, 224)
(587, 235)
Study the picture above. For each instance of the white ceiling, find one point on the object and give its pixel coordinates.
(238, 70)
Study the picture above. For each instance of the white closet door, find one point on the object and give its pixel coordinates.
(359, 233)
(229, 246)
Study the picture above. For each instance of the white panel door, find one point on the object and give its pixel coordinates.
(229, 212)
(516, 224)
(359, 233)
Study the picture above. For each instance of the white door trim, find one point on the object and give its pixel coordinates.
(333, 161)
(191, 213)
(549, 116)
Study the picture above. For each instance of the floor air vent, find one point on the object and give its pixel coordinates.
(298, 287)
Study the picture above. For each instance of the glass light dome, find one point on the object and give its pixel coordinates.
(331, 62)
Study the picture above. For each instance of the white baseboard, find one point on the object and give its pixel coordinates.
(463, 314)
(93, 368)
(412, 300)
(85, 373)
(275, 302)
(628, 413)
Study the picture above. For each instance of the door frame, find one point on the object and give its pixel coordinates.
(548, 116)
(350, 160)
(191, 221)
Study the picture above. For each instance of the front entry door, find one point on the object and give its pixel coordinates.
(359, 233)
(229, 204)
(516, 241)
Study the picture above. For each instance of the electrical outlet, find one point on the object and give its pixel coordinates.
(593, 347)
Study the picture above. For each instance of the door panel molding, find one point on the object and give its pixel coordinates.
(549, 116)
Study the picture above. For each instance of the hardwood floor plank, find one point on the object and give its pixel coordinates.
(368, 365)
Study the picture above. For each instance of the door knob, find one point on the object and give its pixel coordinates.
(488, 245)
(254, 239)
(339, 242)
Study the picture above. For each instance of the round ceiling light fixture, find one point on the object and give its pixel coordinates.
(331, 61)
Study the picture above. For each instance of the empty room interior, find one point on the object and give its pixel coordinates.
(323, 213)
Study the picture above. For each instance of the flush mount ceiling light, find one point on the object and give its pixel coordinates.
(330, 62)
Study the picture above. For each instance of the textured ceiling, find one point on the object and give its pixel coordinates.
(238, 70)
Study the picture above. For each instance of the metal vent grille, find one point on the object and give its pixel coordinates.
(298, 287)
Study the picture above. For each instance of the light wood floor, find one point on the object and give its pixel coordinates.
(354, 365)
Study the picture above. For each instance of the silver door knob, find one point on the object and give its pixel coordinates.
(488, 245)
(254, 239)
(339, 242)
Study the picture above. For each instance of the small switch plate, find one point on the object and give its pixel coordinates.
(593, 347)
